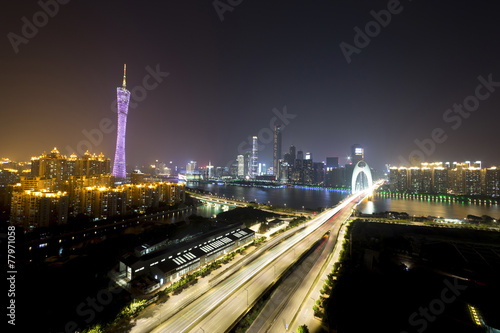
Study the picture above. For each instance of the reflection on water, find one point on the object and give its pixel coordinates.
(297, 198)
(423, 207)
(315, 198)
(205, 211)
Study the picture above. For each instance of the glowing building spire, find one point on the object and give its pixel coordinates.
(123, 99)
(124, 76)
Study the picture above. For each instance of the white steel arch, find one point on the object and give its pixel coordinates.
(361, 167)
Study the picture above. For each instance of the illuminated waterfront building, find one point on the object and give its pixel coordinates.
(492, 182)
(398, 178)
(454, 178)
(30, 209)
(440, 180)
(472, 178)
(123, 99)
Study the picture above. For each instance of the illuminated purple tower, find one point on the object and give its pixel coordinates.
(123, 98)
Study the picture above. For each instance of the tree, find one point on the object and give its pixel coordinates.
(303, 329)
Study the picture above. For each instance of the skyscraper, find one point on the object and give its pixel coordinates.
(255, 157)
(123, 98)
(357, 153)
(241, 166)
(276, 150)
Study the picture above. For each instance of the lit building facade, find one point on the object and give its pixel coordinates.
(30, 209)
(123, 99)
(453, 178)
(255, 158)
(492, 182)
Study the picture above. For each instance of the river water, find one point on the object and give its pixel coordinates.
(314, 198)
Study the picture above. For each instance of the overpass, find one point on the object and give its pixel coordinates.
(214, 200)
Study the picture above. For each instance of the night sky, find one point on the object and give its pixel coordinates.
(226, 77)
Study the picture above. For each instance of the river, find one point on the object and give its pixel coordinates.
(316, 198)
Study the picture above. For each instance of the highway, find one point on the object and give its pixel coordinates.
(287, 302)
(154, 315)
(231, 297)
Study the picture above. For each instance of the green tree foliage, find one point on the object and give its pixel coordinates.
(303, 329)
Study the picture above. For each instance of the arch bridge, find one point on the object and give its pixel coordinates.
(361, 169)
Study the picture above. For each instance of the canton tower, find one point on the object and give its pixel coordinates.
(123, 98)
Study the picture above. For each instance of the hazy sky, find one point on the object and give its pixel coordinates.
(225, 77)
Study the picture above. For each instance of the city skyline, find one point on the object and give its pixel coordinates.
(395, 95)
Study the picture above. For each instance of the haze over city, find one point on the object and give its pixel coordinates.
(225, 78)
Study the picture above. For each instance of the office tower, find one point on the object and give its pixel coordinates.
(191, 167)
(292, 155)
(308, 156)
(123, 98)
(276, 150)
(241, 166)
(255, 150)
(331, 163)
(319, 172)
(357, 153)
(210, 168)
(262, 169)
(307, 171)
(300, 155)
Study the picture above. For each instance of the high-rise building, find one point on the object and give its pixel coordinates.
(492, 182)
(398, 179)
(357, 153)
(241, 166)
(123, 99)
(300, 155)
(319, 172)
(255, 158)
(292, 155)
(332, 162)
(38, 209)
(210, 169)
(276, 150)
(307, 171)
(473, 181)
(415, 180)
(440, 180)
